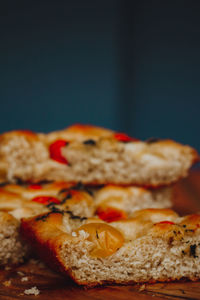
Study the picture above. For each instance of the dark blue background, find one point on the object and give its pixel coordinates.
(129, 65)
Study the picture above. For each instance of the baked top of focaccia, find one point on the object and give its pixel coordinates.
(152, 245)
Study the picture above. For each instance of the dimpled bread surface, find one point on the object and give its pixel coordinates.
(152, 245)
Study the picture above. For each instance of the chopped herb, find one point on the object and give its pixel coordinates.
(193, 250)
(50, 204)
(72, 216)
(20, 182)
(81, 187)
(68, 196)
(90, 142)
(56, 210)
(152, 140)
(53, 210)
(42, 182)
(63, 191)
(77, 187)
(42, 218)
(89, 191)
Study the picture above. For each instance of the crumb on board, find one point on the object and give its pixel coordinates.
(7, 283)
(25, 278)
(32, 291)
(20, 273)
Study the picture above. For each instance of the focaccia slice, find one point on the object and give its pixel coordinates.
(153, 245)
(18, 202)
(92, 155)
(111, 203)
(13, 250)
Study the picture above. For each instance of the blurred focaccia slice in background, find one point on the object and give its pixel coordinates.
(108, 201)
(153, 245)
(52, 195)
(92, 155)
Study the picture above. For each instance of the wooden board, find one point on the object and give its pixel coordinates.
(53, 286)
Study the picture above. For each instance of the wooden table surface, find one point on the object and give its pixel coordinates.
(53, 286)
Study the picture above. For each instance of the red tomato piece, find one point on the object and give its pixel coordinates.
(167, 222)
(46, 200)
(35, 186)
(110, 214)
(122, 137)
(55, 151)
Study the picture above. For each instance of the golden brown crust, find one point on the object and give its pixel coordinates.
(80, 133)
(27, 134)
(48, 234)
(45, 237)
